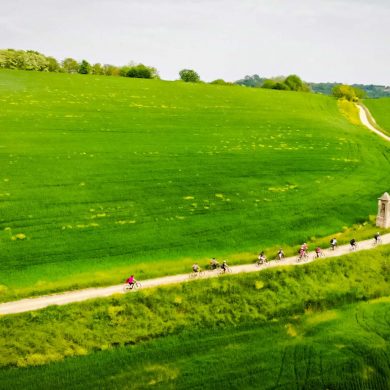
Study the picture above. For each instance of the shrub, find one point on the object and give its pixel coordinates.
(141, 71)
(189, 76)
(343, 91)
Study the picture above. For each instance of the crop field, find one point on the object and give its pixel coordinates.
(321, 325)
(104, 176)
(380, 109)
(338, 349)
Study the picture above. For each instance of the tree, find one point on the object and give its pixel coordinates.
(141, 71)
(52, 64)
(84, 67)
(70, 65)
(290, 83)
(254, 81)
(348, 92)
(111, 70)
(189, 76)
(220, 82)
(269, 84)
(295, 83)
(97, 69)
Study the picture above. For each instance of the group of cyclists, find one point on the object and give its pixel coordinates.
(262, 259)
(213, 265)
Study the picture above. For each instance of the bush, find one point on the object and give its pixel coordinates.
(189, 76)
(140, 71)
(343, 91)
(290, 83)
(220, 82)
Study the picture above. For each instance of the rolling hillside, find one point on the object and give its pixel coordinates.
(380, 109)
(103, 176)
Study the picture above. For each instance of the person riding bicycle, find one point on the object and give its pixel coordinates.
(318, 252)
(280, 254)
(224, 266)
(302, 253)
(333, 243)
(353, 244)
(261, 258)
(377, 238)
(214, 263)
(195, 268)
(304, 247)
(131, 281)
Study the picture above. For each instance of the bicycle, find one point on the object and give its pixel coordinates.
(260, 262)
(352, 248)
(198, 274)
(303, 257)
(131, 287)
(377, 241)
(318, 255)
(227, 270)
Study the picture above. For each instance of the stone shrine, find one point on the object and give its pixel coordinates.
(383, 218)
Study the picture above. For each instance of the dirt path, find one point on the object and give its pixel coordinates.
(365, 117)
(82, 295)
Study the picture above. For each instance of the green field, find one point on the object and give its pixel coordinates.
(380, 109)
(323, 325)
(311, 352)
(104, 176)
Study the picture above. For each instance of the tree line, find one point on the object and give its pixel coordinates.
(35, 61)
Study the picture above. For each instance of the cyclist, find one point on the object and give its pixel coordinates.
(333, 243)
(261, 258)
(214, 263)
(318, 252)
(302, 254)
(131, 281)
(224, 266)
(377, 238)
(280, 254)
(195, 268)
(353, 244)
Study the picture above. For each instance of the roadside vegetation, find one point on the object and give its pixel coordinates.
(343, 348)
(106, 176)
(54, 333)
(347, 92)
(380, 109)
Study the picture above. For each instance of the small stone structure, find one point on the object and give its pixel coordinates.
(383, 218)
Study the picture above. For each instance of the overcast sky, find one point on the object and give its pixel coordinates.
(320, 40)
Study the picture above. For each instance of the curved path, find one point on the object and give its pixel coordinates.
(365, 117)
(90, 293)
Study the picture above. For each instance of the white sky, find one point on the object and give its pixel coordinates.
(320, 40)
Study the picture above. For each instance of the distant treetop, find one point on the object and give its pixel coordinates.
(290, 83)
(189, 76)
(35, 61)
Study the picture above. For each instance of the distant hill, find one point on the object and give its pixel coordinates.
(373, 91)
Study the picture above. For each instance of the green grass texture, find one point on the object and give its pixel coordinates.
(105, 176)
(344, 349)
(319, 326)
(380, 110)
(55, 333)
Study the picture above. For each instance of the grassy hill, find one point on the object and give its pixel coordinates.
(380, 109)
(103, 176)
(320, 325)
